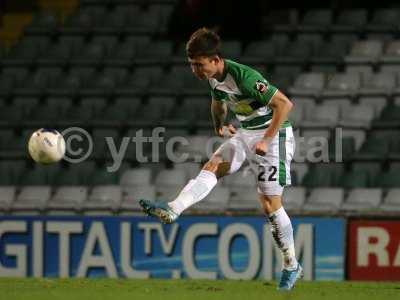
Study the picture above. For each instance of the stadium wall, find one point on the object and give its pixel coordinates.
(212, 247)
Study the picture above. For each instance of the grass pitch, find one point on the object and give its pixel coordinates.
(121, 289)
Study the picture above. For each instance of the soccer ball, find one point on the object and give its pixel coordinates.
(46, 146)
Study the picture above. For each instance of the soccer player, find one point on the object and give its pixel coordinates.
(265, 136)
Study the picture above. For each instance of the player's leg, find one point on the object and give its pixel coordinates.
(274, 176)
(281, 228)
(199, 187)
(227, 159)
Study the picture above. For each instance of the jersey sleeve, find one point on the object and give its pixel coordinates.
(257, 87)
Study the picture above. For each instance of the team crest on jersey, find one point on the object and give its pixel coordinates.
(262, 87)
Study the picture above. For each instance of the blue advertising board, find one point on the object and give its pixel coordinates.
(139, 247)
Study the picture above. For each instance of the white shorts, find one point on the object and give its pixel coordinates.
(273, 168)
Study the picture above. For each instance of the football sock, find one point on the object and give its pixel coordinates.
(282, 232)
(196, 190)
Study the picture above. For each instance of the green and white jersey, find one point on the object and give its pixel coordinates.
(247, 93)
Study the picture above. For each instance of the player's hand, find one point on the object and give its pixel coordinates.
(226, 131)
(261, 147)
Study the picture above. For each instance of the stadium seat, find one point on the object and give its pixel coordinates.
(12, 170)
(284, 74)
(198, 148)
(164, 11)
(18, 74)
(109, 42)
(62, 103)
(280, 40)
(380, 84)
(129, 104)
(83, 21)
(122, 55)
(365, 52)
(392, 53)
(314, 39)
(67, 86)
(7, 85)
(240, 179)
(365, 72)
(375, 147)
(104, 83)
(323, 115)
(192, 169)
(377, 103)
(44, 114)
(169, 182)
(296, 53)
(297, 114)
(327, 200)
(112, 115)
(357, 134)
(100, 139)
(323, 175)
(316, 20)
(103, 200)
(308, 85)
(26, 51)
(390, 179)
(331, 53)
(384, 20)
(34, 176)
(350, 21)
(67, 200)
(307, 103)
(7, 196)
(102, 177)
(113, 22)
(154, 53)
(313, 143)
(342, 85)
(216, 201)
(90, 56)
(145, 22)
(25, 104)
(360, 115)
(259, 52)
(58, 54)
(342, 103)
(36, 83)
(362, 199)
(391, 202)
(43, 24)
(372, 169)
(138, 176)
(68, 177)
(231, 49)
(299, 169)
(391, 112)
(245, 198)
(132, 195)
(354, 179)
(31, 200)
(294, 198)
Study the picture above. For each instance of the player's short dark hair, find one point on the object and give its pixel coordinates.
(203, 42)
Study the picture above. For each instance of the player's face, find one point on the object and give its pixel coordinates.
(204, 67)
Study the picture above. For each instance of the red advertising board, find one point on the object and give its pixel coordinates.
(373, 250)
